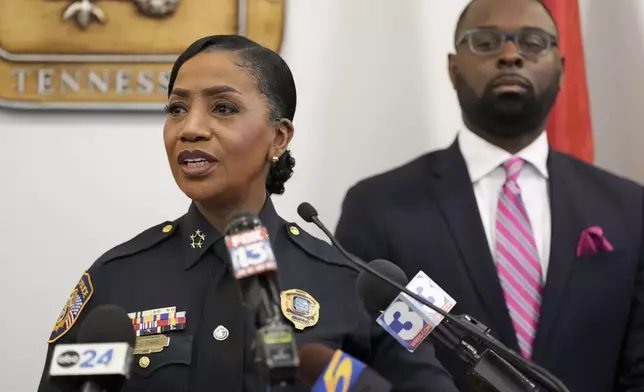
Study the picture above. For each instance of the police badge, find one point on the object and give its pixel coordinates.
(300, 308)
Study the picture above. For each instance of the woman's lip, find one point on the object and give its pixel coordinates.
(197, 169)
(187, 155)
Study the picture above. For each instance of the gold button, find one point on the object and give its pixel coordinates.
(167, 228)
(294, 230)
(144, 362)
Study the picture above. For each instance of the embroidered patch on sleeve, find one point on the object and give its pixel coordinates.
(77, 300)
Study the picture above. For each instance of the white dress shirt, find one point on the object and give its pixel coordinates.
(485, 165)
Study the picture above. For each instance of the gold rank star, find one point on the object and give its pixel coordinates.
(197, 239)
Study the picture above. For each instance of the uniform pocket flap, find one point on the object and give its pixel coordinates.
(178, 352)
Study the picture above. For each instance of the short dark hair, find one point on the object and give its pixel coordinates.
(274, 79)
(463, 15)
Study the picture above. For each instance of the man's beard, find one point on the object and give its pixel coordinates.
(507, 114)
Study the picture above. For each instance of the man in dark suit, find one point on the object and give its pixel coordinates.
(544, 249)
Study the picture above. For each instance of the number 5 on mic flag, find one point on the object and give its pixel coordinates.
(340, 374)
(407, 320)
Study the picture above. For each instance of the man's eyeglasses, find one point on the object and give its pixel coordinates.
(490, 42)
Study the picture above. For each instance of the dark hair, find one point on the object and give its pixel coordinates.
(274, 79)
(463, 15)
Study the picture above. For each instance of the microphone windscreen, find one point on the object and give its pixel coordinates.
(325, 370)
(241, 215)
(242, 220)
(307, 212)
(375, 293)
(107, 324)
(314, 358)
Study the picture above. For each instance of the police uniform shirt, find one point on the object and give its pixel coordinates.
(183, 266)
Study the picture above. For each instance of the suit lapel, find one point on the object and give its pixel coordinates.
(566, 228)
(453, 190)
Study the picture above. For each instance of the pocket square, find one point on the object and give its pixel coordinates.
(593, 241)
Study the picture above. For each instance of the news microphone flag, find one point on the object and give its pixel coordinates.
(250, 252)
(341, 373)
(91, 359)
(409, 321)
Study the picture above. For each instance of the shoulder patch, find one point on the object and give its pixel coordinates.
(142, 242)
(79, 297)
(317, 248)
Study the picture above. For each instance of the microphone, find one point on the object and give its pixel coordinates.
(541, 375)
(101, 359)
(325, 370)
(255, 268)
(489, 372)
(377, 296)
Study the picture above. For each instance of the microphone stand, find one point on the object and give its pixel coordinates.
(276, 354)
(489, 372)
(541, 375)
(90, 386)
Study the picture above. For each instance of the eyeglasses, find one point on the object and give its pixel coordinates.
(490, 42)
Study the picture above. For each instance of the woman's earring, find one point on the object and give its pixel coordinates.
(275, 158)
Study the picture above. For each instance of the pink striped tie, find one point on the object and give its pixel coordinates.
(517, 260)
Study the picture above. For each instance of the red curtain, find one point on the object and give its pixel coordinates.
(569, 127)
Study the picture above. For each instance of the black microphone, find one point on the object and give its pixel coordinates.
(325, 370)
(101, 359)
(536, 372)
(255, 268)
(488, 371)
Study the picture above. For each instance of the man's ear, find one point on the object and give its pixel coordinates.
(452, 68)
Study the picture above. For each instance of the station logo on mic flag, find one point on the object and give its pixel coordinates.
(251, 252)
(409, 321)
(340, 375)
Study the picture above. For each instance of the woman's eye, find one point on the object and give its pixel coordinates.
(174, 109)
(225, 108)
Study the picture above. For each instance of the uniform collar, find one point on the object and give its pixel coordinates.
(482, 157)
(198, 235)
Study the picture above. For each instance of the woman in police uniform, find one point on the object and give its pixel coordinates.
(228, 126)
